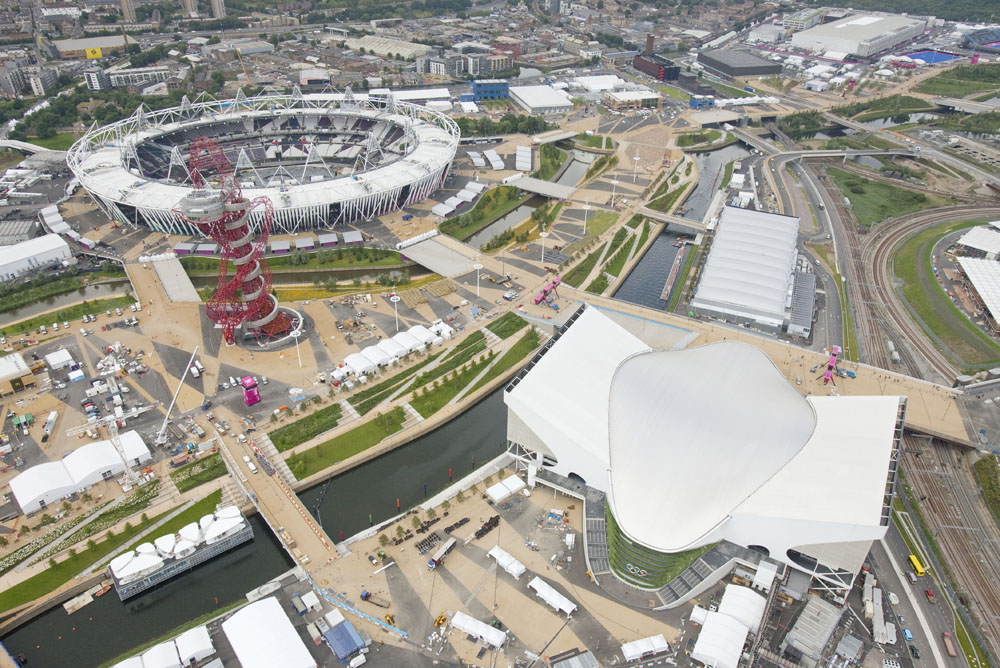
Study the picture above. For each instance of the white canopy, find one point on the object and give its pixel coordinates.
(422, 334)
(359, 364)
(392, 348)
(138, 567)
(165, 544)
(720, 643)
(191, 533)
(376, 355)
(263, 637)
(504, 488)
(551, 596)
(507, 562)
(743, 604)
(443, 329)
(59, 359)
(484, 632)
(442, 209)
(131, 662)
(222, 529)
(163, 655)
(194, 645)
(645, 647)
(408, 341)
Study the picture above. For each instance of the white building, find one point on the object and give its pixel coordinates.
(708, 447)
(263, 637)
(860, 34)
(541, 100)
(47, 483)
(33, 254)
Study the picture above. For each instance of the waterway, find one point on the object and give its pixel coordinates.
(920, 117)
(89, 292)
(645, 283)
(106, 628)
(321, 275)
(711, 167)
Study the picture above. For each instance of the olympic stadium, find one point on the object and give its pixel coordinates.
(698, 462)
(321, 159)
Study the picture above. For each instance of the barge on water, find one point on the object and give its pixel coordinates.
(153, 563)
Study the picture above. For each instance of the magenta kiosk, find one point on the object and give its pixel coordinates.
(251, 394)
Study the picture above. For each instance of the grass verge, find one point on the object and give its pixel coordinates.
(615, 265)
(576, 275)
(431, 399)
(678, 289)
(300, 431)
(60, 142)
(69, 313)
(199, 472)
(524, 346)
(873, 201)
(507, 325)
(348, 444)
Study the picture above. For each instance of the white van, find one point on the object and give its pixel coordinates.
(250, 464)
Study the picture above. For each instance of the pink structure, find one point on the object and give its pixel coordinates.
(548, 292)
(831, 365)
(251, 393)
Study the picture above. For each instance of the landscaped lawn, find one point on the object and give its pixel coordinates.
(666, 202)
(348, 444)
(576, 275)
(199, 472)
(551, 158)
(341, 258)
(431, 398)
(874, 201)
(525, 345)
(492, 204)
(614, 266)
(61, 142)
(70, 313)
(693, 138)
(507, 325)
(963, 80)
(300, 431)
(935, 311)
(675, 296)
(370, 397)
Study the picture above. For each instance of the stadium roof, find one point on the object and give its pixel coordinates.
(750, 266)
(985, 238)
(263, 637)
(862, 27)
(985, 277)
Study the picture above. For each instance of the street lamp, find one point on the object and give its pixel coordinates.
(394, 298)
(295, 335)
(586, 212)
(635, 170)
(478, 267)
(614, 188)
(543, 235)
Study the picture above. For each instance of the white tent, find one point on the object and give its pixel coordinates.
(263, 637)
(551, 596)
(59, 359)
(484, 632)
(764, 578)
(643, 647)
(131, 662)
(376, 356)
(163, 655)
(392, 348)
(358, 364)
(743, 604)
(422, 334)
(507, 562)
(408, 341)
(501, 490)
(41, 485)
(720, 642)
(443, 329)
(194, 645)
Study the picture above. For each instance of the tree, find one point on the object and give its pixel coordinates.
(91, 544)
(67, 506)
(3, 542)
(400, 531)
(431, 513)
(383, 540)
(446, 504)
(218, 80)
(52, 562)
(460, 497)
(273, 418)
(72, 552)
(416, 522)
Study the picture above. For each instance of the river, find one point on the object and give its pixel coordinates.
(645, 283)
(711, 166)
(107, 627)
(89, 292)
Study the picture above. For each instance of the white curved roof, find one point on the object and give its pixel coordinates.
(183, 547)
(744, 604)
(206, 521)
(165, 544)
(163, 655)
(194, 645)
(142, 564)
(119, 562)
(709, 426)
(263, 637)
(228, 511)
(145, 548)
(222, 528)
(131, 662)
(375, 355)
(720, 641)
(392, 348)
(44, 482)
(190, 532)
(359, 364)
(408, 341)
(422, 334)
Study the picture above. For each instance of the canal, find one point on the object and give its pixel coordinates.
(645, 283)
(88, 292)
(711, 168)
(107, 627)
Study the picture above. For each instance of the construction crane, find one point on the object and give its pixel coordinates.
(240, 56)
(161, 436)
(111, 422)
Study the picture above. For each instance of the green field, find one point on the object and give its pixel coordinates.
(300, 431)
(675, 296)
(963, 80)
(69, 313)
(695, 138)
(60, 142)
(432, 398)
(340, 258)
(935, 311)
(883, 107)
(552, 158)
(617, 262)
(516, 354)
(507, 325)
(197, 473)
(599, 284)
(666, 202)
(357, 440)
(874, 201)
(493, 204)
(19, 295)
(988, 476)
(674, 93)
(576, 275)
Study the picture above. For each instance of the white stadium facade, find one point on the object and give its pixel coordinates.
(323, 159)
(695, 461)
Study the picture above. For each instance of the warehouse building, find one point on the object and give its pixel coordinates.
(92, 47)
(15, 374)
(541, 100)
(656, 66)
(733, 64)
(863, 35)
(384, 46)
(980, 242)
(629, 100)
(32, 255)
(750, 275)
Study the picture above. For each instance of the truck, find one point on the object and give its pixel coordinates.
(930, 595)
(949, 644)
(201, 369)
(198, 430)
(250, 464)
(194, 371)
(299, 606)
(179, 460)
(369, 597)
(441, 553)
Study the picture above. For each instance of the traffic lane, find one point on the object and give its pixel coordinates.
(938, 615)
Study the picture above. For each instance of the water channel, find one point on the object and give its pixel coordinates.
(645, 284)
(107, 627)
(711, 167)
(88, 292)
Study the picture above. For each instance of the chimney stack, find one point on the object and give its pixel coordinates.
(649, 44)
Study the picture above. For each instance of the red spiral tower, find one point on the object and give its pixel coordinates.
(221, 213)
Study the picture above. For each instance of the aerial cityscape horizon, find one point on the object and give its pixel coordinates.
(538, 334)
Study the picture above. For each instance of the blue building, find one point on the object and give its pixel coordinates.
(702, 102)
(490, 89)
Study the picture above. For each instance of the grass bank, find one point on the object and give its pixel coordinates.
(70, 313)
(493, 204)
(348, 444)
(524, 346)
(60, 142)
(576, 275)
(507, 325)
(874, 201)
(198, 473)
(300, 431)
(355, 257)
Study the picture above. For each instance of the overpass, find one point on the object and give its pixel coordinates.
(544, 188)
(966, 106)
(672, 219)
(25, 147)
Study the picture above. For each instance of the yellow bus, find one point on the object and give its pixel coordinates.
(916, 566)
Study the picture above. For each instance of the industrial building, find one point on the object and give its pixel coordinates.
(784, 484)
(490, 89)
(47, 483)
(804, 18)
(383, 46)
(34, 254)
(863, 35)
(733, 64)
(629, 100)
(541, 100)
(750, 275)
(15, 374)
(92, 47)
(656, 66)
(981, 241)
(983, 277)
